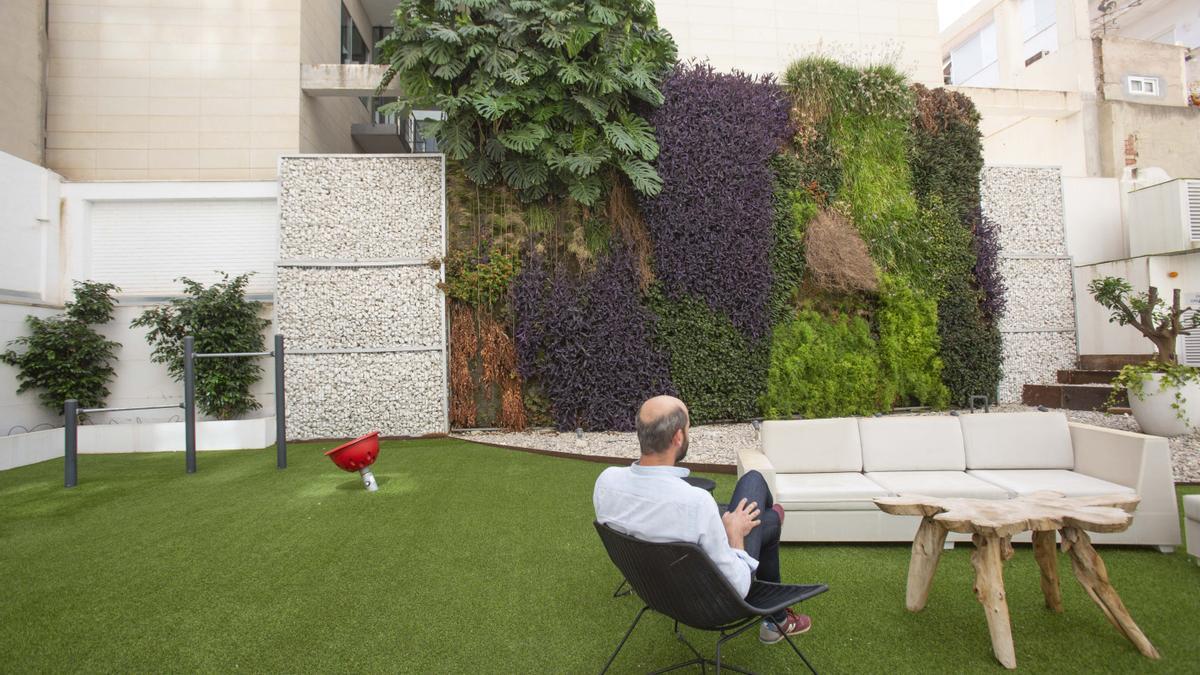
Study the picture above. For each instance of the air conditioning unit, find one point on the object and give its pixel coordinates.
(1188, 346)
(1164, 218)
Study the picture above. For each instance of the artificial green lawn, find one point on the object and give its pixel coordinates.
(468, 559)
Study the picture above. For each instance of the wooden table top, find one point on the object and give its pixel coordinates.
(1040, 511)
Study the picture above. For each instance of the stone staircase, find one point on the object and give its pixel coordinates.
(1085, 387)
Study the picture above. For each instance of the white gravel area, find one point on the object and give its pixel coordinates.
(719, 443)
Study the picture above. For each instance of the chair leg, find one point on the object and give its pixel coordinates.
(622, 593)
(622, 643)
(794, 647)
(727, 637)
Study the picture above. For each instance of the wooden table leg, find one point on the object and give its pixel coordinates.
(989, 589)
(1047, 560)
(926, 552)
(1093, 575)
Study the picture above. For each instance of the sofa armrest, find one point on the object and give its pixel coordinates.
(753, 459)
(1138, 461)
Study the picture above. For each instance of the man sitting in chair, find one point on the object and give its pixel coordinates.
(650, 501)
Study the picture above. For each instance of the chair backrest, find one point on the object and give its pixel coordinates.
(676, 579)
(912, 443)
(1018, 440)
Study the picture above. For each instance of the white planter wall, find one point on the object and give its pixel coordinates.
(97, 439)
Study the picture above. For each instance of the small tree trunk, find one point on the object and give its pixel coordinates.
(1166, 349)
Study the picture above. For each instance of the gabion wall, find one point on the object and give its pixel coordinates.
(357, 297)
(1039, 323)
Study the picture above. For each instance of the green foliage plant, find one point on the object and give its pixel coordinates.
(542, 95)
(221, 320)
(946, 149)
(481, 281)
(1172, 377)
(720, 373)
(794, 207)
(1160, 323)
(824, 367)
(909, 344)
(970, 344)
(64, 357)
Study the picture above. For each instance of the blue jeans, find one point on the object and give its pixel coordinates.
(763, 541)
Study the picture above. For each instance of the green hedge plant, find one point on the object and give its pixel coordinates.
(64, 356)
(909, 344)
(221, 320)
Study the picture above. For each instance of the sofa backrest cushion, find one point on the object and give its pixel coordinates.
(912, 443)
(812, 446)
(1023, 440)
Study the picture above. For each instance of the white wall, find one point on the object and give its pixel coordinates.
(763, 36)
(1092, 209)
(140, 236)
(30, 273)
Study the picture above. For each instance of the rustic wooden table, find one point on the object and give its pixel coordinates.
(992, 524)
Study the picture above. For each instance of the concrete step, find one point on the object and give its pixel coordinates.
(1110, 361)
(1086, 376)
(1069, 396)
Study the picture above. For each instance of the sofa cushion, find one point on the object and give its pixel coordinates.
(812, 446)
(1025, 440)
(826, 492)
(1191, 506)
(937, 484)
(912, 443)
(1069, 483)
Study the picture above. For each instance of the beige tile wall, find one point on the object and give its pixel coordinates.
(325, 120)
(172, 89)
(23, 78)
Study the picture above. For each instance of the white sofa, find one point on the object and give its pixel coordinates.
(826, 472)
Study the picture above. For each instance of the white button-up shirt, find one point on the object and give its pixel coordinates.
(654, 504)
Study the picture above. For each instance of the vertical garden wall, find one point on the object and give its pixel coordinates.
(817, 248)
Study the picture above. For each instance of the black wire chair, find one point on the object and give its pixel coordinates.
(680, 581)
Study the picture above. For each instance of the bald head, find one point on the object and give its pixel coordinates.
(662, 424)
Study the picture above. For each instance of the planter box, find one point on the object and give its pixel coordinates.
(39, 446)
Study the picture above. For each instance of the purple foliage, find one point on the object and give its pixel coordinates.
(624, 366)
(563, 367)
(711, 224)
(589, 342)
(529, 322)
(987, 265)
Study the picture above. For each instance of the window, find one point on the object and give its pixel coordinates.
(973, 63)
(1142, 86)
(1038, 23)
(354, 47)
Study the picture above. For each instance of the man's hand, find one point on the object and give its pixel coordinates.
(739, 521)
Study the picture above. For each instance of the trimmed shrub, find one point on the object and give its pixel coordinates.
(836, 256)
(824, 367)
(822, 88)
(222, 320)
(65, 357)
(711, 226)
(909, 344)
(719, 372)
(971, 347)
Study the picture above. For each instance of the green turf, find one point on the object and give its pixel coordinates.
(468, 559)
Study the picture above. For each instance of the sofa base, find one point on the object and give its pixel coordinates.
(1148, 529)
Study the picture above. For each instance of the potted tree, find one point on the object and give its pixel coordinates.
(1170, 406)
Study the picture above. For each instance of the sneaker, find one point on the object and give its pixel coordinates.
(794, 624)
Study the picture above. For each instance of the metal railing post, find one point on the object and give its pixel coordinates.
(189, 402)
(280, 408)
(71, 450)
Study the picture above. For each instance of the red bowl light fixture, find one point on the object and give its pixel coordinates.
(358, 455)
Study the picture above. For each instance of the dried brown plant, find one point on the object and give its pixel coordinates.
(463, 346)
(836, 255)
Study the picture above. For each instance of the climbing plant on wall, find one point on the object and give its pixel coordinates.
(539, 95)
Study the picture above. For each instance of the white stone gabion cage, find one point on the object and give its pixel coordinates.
(1038, 325)
(361, 238)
